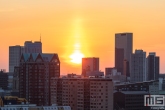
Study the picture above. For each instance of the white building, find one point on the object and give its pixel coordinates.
(15, 52)
(138, 69)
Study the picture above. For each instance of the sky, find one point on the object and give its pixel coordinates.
(82, 28)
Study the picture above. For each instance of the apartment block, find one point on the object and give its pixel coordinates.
(83, 93)
(35, 72)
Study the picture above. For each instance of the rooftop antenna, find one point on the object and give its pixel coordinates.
(40, 37)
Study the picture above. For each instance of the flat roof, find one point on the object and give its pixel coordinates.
(134, 92)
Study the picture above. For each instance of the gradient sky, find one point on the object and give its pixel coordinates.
(83, 26)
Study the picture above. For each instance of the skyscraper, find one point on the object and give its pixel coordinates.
(123, 50)
(15, 52)
(153, 66)
(138, 66)
(90, 64)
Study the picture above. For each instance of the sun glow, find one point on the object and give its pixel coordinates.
(77, 45)
(76, 57)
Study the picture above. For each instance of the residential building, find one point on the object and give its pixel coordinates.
(138, 66)
(35, 72)
(15, 52)
(123, 50)
(89, 64)
(83, 93)
(153, 66)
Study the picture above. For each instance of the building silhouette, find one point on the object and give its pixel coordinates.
(35, 72)
(15, 52)
(123, 50)
(90, 64)
(83, 93)
(153, 66)
(138, 70)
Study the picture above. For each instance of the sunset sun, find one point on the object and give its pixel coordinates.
(76, 57)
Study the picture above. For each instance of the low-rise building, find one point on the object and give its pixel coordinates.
(130, 100)
(151, 87)
(34, 107)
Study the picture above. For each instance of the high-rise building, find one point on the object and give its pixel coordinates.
(153, 66)
(14, 56)
(15, 52)
(90, 64)
(123, 50)
(83, 93)
(138, 71)
(30, 47)
(35, 72)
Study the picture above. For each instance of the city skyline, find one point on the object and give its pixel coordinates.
(83, 28)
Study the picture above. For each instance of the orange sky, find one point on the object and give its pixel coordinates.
(83, 26)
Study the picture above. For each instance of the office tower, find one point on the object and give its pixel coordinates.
(83, 93)
(153, 66)
(14, 56)
(30, 47)
(123, 50)
(15, 52)
(35, 72)
(89, 64)
(138, 66)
